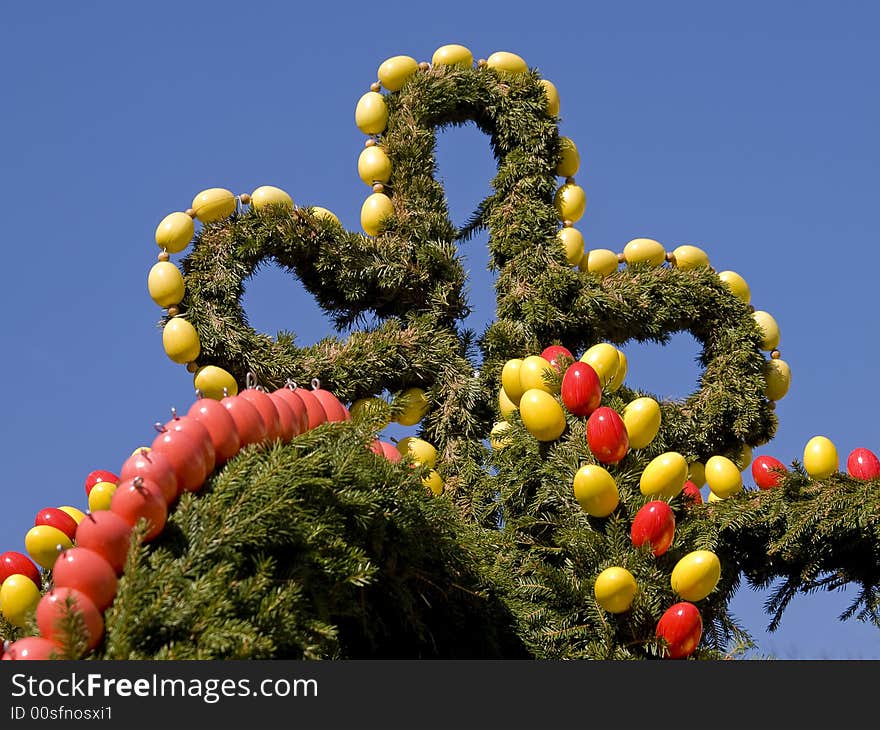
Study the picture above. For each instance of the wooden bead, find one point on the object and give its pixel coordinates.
(621, 259)
(245, 199)
(482, 62)
(378, 188)
(424, 66)
(163, 256)
(670, 257)
(567, 223)
(772, 405)
(375, 86)
(775, 354)
(570, 180)
(370, 142)
(173, 311)
(192, 366)
(752, 308)
(190, 212)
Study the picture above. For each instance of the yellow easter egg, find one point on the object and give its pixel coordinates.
(619, 376)
(695, 576)
(600, 262)
(505, 405)
(714, 497)
(531, 374)
(664, 476)
(376, 208)
(723, 476)
(100, 496)
(374, 166)
(174, 232)
(506, 61)
(615, 589)
(415, 406)
(452, 54)
(180, 340)
(596, 490)
(569, 158)
(644, 251)
(372, 407)
(697, 473)
(498, 436)
(165, 284)
(572, 241)
(19, 597)
(570, 202)
(434, 482)
(73, 512)
(510, 379)
(744, 459)
(542, 415)
(371, 113)
(777, 377)
(769, 329)
(324, 214)
(42, 544)
(267, 195)
(215, 382)
(690, 257)
(820, 457)
(213, 204)
(552, 97)
(642, 420)
(394, 72)
(420, 451)
(604, 360)
(737, 285)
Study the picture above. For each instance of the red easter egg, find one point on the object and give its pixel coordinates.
(54, 517)
(156, 467)
(53, 608)
(332, 406)
(139, 497)
(301, 416)
(317, 414)
(581, 390)
(288, 420)
(100, 475)
(88, 572)
(195, 428)
(266, 406)
(655, 524)
(107, 534)
(248, 422)
(12, 562)
(386, 449)
(606, 435)
(221, 427)
(187, 455)
(692, 492)
(682, 628)
(767, 471)
(552, 354)
(34, 648)
(863, 464)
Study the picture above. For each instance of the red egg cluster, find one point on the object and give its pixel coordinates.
(183, 455)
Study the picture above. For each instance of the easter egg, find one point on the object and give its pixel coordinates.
(769, 329)
(581, 390)
(376, 208)
(744, 458)
(73, 512)
(723, 476)
(213, 204)
(689, 257)
(569, 158)
(862, 463)
(644, 251)
(434, 482)
(570, 202)
(415, 406)
(88, 572)
(19, 597)
(596, 490)
(394, 72)
(100, 496)
(768, 471)
(642, 420)
(695, 576)
(552, 94)
(44, 543)
(737, 285)
(55, 517)
(107, 534)
(510, 379)
(12, 562)
(691, 492)
(572, 242)
(681, 628)
(266, 196)
(165, 284)
(697, 473)
(820, 457)
(32, 648)
(371, 113)
(52, 612)
(498, 436)
(420, 451)
(615, 589)
(532, 373)
(214, 382)
(654, 523)
(606, 435)
(604, 360)
(542, 415)
(174, 232)
(373, 407)
(324, 214)
(452, 54)
(505, 405)
(554, 354)
(180, 340)
(374, 165)
(506, 61)
(620, 374)
(664, 476)
(140, 498)
(777, 377)
(599, 262)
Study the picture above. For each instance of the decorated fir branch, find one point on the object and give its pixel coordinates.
(545, 507)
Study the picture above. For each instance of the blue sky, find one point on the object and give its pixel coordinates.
(748, 130)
